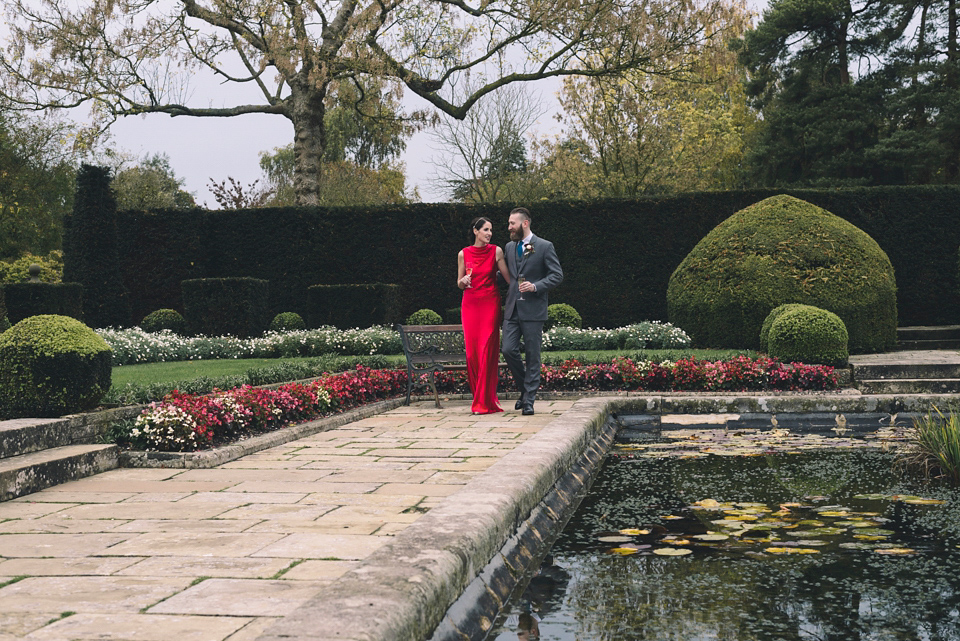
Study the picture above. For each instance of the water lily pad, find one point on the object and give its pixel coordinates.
(924, 501)
(896, 551)
(742, 517)
(817, 532)
(634, 532)
(840, 513)
(624, 551)
(872, 497)
(812, 523)
(875, 531)
(811, 542)
(869, 537)
(791, 550)
(671, 517)
(614, 539)
(673, 551)
(856, 524)
(711, 537)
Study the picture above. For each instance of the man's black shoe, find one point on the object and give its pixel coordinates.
(519, 404)
(528, 409)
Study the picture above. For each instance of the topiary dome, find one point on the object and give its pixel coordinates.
(783, 250)
(50, 366)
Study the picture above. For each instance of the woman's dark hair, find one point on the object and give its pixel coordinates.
(477, 224)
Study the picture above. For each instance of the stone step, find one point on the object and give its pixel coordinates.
(27, 473)
(931, 371)
(952, 344)
(928, 333)
(25, 435)
(909, 386)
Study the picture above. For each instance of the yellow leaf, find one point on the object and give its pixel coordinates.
(634, 532)
(623, 551)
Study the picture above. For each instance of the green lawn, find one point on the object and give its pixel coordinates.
(188, 370)
(149, 373)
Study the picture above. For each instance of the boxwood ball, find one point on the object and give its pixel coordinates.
(52, 365)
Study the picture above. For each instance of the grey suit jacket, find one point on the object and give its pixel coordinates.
(542, 268)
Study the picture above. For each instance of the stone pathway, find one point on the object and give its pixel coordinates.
(221, 553)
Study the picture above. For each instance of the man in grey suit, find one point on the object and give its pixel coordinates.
(534, 261)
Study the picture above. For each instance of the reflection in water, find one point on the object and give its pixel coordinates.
(741, 589)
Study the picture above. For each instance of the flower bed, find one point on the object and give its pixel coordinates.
(133, 346)
(185, 422)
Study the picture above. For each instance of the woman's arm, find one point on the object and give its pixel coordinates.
(502, 265)
(462, 279)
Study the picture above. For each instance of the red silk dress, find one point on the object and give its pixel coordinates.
(480, 314)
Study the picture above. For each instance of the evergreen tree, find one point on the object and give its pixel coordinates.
(91, 254)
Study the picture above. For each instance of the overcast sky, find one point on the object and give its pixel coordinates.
(201, 149)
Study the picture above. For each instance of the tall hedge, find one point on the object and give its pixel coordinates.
(33, 299)
(617, 255)
(91, 255)
(226, 306)
(347, 306)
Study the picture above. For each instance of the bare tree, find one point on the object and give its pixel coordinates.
(481, 154)
(126, 57)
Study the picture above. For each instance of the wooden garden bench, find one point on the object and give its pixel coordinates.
(430, 349)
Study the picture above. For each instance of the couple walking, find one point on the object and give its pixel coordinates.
(530, 267)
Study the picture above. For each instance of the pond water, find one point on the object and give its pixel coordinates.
(765, 544)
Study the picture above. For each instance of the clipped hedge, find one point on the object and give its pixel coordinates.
(612, 279)
(562, 315)
(226, 306)
(810, 335)
(91, 254)
(50, 366)
(347, 306)
(164, 319)
(424, 317)
(287, 322)
(32, 299)
(768, 321)
(782, 250)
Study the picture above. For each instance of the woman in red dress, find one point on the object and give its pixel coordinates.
(480, 313)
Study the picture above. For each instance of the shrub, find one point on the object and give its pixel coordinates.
(226, 306)
(346, 306)
(809, 335)
(17, 271)
(782, 250)
(50, 366)
(562, 315)
(161, 319)
(34, 299)
(768, 321)
(4, 324)
(287, 322)
(424, 317)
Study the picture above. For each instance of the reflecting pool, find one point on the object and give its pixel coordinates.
(759, 545)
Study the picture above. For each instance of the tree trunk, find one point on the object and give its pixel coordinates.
(951, 79)
(309, 140)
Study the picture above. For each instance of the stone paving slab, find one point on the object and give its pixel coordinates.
(224, 553)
